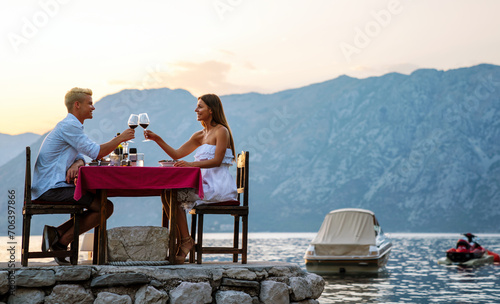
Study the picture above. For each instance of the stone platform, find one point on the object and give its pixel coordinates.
(212, 282)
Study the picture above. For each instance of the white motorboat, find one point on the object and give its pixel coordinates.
(349, 241)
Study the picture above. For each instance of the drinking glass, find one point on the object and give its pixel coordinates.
(140, 159)
(144, 122)
(133, 122)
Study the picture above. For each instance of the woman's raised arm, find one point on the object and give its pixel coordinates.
(184, 150)
(221, 143)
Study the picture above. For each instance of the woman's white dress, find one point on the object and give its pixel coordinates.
(218, 184)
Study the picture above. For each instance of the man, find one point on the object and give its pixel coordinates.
(56, 167)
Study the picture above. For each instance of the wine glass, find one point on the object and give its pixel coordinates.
(133, 122)
(144, 122)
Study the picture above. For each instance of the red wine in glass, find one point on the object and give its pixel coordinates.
(144, 122)
(133, 122)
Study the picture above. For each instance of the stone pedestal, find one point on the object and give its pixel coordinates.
(141, 243)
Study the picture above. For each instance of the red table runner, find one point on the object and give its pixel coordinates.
(137, 181)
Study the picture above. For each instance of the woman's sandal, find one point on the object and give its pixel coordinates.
(185, 247)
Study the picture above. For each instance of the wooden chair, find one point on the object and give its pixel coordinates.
(238, 209)
(35, 207)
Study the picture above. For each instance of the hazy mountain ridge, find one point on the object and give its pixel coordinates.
(394, 143)
(14, 144)
(422, 150)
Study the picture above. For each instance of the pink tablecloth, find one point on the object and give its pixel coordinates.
(137, 181)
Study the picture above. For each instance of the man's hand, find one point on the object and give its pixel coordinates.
(127, 135)
(72, 172)
(106, 148)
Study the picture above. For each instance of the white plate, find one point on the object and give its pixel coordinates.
(167, 163)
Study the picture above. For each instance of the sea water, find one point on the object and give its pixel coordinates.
(412, 274)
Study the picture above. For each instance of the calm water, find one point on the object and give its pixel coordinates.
(412, 274)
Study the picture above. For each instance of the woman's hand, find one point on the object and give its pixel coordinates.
(183, 163)
(148, 134)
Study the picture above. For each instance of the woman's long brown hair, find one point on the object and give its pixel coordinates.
(218, 116)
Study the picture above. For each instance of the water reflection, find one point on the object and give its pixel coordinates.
(369, 288)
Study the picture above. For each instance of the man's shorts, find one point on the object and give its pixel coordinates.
(66, 194)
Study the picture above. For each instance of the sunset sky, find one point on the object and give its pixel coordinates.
(223, 46)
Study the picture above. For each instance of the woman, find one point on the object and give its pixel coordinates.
(214, 155)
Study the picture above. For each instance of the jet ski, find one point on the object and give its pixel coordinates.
(468, 252)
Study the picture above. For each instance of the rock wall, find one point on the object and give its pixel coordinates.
(254, 283)
(137, 243)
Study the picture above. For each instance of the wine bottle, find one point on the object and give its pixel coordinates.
(120, 148)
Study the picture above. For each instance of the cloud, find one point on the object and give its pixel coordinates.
(196, 77)
(226, 52)
(377, 70)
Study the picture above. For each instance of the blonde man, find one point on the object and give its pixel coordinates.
(57, 164)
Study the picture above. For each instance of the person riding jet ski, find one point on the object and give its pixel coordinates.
(466, 249)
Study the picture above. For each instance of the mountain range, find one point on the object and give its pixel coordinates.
(14, 144)
(422, 150)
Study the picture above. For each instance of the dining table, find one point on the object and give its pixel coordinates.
(128, 181)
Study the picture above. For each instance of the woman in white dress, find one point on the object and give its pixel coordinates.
(214, 155)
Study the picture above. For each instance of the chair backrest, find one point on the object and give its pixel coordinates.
(27, 178)
(242, 176)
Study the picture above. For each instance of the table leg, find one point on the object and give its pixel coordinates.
(96, 245)
(102, 237)
(172, 246)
